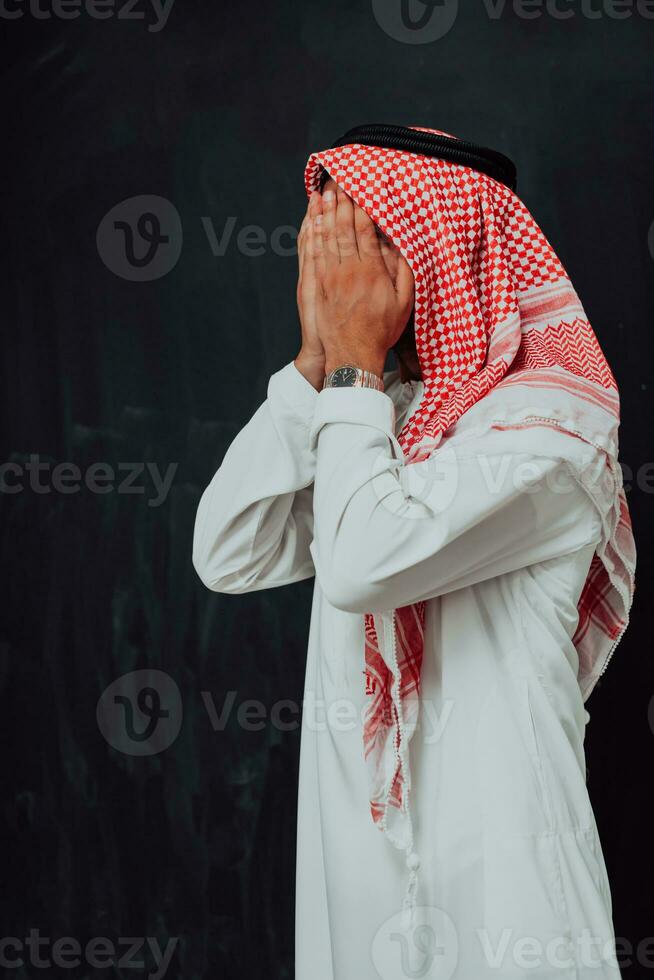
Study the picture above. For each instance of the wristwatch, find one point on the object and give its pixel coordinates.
(349, 376)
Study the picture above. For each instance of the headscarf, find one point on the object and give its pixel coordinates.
(494, 308)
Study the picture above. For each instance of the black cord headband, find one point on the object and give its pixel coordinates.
(489, 162)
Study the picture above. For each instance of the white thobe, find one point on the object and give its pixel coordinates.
(498, 541)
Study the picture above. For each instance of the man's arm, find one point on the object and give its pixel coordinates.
(254, 522)
(386, 534)
(255, 519)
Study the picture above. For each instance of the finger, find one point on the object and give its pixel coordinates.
(345, 234)
(313, 208)
(302, 241)
(316, 246)
(405, 283)
(308, 273)
(391, 256)
(315, 204)
(328, 226)
(367, 238)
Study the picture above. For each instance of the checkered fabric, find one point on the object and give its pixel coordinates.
(493, 308)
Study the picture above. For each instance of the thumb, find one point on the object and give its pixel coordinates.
(404, 282)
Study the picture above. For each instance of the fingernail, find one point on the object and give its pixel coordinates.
(318, 219)
(328, 197)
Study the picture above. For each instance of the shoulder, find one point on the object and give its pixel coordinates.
(545, 418)
(541, 439)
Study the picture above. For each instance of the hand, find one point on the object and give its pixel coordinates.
(363, 292)
(311, 359)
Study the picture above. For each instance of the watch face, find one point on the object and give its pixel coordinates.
(344, 377)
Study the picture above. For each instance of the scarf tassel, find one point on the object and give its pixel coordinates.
(409, 903)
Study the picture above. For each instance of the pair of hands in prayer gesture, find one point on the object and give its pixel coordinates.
(355, 289)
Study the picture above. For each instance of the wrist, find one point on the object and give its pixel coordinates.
(367, 360)
(312, 367)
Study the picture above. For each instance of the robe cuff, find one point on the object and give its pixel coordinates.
(291, 387)
(357, 406)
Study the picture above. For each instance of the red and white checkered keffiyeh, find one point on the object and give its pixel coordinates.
(493, 308)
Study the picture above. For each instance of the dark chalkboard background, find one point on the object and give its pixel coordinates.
(216, 113)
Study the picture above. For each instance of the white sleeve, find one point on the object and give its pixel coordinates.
(254, 522)
(387, 534)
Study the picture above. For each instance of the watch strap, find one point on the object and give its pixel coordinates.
(351, 376)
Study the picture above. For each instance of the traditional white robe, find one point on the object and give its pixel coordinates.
(512, 880)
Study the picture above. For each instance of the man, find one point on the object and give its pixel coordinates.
(466, 525)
